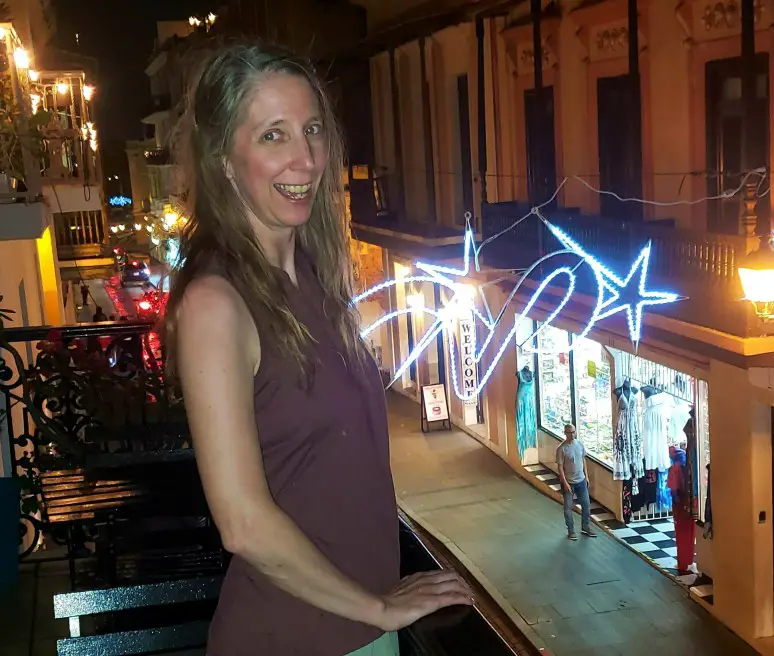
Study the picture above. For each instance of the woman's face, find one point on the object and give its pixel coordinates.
(279, 152)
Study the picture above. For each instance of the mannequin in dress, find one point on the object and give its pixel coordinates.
(526, 414)
(627, 445)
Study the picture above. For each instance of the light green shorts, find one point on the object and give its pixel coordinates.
(387, 645)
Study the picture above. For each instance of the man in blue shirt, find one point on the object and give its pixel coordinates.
(571, 458)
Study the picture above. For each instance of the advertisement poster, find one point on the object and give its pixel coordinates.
(434, 400)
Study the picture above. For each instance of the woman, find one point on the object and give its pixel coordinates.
(285, 405)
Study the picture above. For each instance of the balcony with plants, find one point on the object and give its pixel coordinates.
(70, 134)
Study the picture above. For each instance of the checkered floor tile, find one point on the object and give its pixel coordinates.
(655, 539)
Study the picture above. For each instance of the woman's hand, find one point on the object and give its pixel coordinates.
(422, 594)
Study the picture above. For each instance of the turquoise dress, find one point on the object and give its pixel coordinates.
(526, 414)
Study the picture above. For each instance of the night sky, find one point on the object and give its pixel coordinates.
(120, 36)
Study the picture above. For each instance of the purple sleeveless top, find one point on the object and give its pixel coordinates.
(325, 449)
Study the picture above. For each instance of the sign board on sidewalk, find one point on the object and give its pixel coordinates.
(435, 407)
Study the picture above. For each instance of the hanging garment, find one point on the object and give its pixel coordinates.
(626, 499)
(526, 414)
(681, 413)
(692, 467)
(663, 495)
(627, 445)
(655, 431)
(708, 528)
(648, 491)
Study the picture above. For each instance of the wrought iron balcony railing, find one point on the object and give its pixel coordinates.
(76, 396)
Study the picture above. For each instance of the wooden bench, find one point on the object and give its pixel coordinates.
(140, 633)
(70, 500)
(68, 496)
(145, 513)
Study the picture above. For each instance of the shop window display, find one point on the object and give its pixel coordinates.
(555, 379)
(665, 417)
(526, 412)
(594, 409)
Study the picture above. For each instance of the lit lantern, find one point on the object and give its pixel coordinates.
(21, 58)
(34, 76)
(88, 92)
(756, 272)
(62, 88)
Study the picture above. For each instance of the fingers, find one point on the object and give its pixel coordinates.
(440, 576)
(445, 584)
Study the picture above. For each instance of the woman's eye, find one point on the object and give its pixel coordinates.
(274, 135)
(314, 129)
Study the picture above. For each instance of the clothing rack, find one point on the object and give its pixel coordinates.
(643, 372)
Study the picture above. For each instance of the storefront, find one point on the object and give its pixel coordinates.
(414, 305)
(620, 403)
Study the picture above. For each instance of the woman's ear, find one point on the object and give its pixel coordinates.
(228, 169)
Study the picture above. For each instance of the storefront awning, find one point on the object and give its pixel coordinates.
(412, 239)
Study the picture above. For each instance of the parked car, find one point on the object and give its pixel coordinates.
(135, 271)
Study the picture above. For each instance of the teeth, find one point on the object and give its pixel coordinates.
(296, 189)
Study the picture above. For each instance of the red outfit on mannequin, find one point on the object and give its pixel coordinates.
(685, 527)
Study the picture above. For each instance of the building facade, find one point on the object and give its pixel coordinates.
(460, 127)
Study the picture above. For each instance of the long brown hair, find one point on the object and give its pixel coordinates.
(218, 235)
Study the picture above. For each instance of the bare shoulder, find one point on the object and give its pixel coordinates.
(210, 295)
(213, 311)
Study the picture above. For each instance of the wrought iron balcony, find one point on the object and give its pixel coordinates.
(78, 396)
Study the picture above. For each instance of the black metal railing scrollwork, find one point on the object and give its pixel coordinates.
(72, 392)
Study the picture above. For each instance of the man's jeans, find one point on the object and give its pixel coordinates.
(581, 490)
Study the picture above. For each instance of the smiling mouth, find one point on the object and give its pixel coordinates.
(294, 192)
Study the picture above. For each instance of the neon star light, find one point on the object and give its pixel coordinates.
(628, 294)
(615, 294)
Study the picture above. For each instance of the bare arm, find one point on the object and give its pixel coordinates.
(562, 477)
(219, 352)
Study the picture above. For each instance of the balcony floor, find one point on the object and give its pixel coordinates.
(27, 624)
(580, 598)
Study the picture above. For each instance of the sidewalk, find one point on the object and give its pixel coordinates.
(584, 598)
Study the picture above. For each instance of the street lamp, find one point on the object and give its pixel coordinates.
(756, 272)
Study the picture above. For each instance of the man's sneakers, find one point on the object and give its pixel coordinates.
(572, 535)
